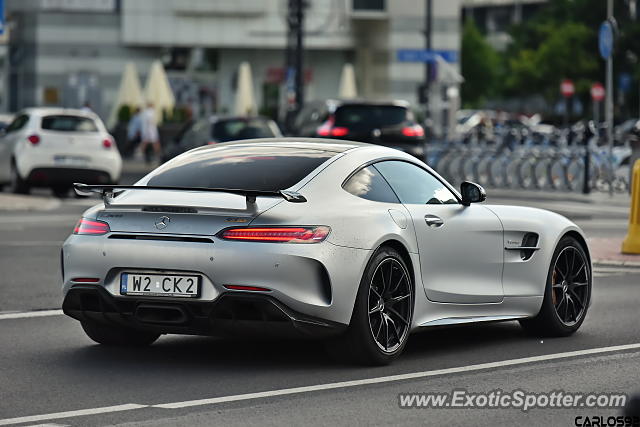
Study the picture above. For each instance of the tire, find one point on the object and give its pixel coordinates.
(512, 178)
(372, 313)
(575, 174)
(555, 318)
(118, 337)
(541, 174)
(526, 174)
(557, 179)
(497, 169)
(60, 192)
(454, 168)
(17, 184)
(469, 169)
(483, 171)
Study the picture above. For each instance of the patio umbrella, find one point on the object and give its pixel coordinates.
(158, 91)
(245, 103)
(347, 83)
(129, 92)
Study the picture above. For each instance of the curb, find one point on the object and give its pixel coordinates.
(616, 263)
(12, 202)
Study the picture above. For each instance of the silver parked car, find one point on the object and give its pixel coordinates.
(354, 243)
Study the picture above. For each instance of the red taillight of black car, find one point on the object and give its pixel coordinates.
(328, 129)
(415, 131)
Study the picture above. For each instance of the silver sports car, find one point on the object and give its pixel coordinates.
(353, 243)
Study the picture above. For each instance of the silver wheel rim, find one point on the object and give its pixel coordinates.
(390, 304)
(570, 279)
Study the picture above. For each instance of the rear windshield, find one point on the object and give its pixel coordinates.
(229, 130)
(265, 168)
(68, 123)
(370, 116)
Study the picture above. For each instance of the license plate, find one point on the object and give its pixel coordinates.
(160, 285)
(70, 160)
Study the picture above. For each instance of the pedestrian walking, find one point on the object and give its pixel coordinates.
(149, 132)
(134, 131)
(86, 107)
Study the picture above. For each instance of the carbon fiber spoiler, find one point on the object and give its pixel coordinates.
(108, 192)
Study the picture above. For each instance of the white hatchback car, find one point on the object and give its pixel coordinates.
(55, 147)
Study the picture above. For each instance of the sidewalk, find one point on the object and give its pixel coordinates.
(596, 197)
(16, 202)
(606, 251)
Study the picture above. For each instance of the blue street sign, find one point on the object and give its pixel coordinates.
(423, 55)
(605, 39)
(2, 17)
(624, 82)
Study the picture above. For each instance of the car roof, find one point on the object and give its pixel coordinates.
(42, 111)
(320, 144)
(340, 102)
(217, 117)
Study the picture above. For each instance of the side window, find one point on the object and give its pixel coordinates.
(369, 184)
(414, 185)
(18, 123)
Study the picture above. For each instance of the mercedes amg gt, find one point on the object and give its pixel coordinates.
(356, 244)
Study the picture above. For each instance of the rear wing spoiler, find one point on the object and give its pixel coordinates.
(108, 192)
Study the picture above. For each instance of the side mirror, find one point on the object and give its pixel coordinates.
(472, 193)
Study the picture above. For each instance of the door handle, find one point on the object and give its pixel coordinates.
(433, 221)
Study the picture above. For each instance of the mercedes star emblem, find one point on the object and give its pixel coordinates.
(162, 222)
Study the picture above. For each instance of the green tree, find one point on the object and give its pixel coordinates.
(480, 66)
(564, 51)
(561, 41)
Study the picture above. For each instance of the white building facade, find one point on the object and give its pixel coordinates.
(67, 52)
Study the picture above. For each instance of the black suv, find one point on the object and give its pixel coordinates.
(212, 130)
(385, 123)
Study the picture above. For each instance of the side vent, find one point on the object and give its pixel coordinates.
(529, 241)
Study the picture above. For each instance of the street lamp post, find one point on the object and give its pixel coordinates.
(608, 109)
(294, 75)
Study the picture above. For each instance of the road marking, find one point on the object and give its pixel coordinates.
(48, 425)
(321, 387)
(44, 219)
(27, 314)
(33, 243)
(70, 414)
(395, 378)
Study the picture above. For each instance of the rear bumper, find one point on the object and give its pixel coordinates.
(318, 280)
(45, 177)
(232, 314)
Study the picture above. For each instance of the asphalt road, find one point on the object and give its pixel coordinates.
(48, 365)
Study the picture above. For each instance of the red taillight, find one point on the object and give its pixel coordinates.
(247, 288)
(107, 143)
(327, 128)
(86, 280)
(86, 226)
(34, 139)
(277, 234)
(339, 131)
(413, 131)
